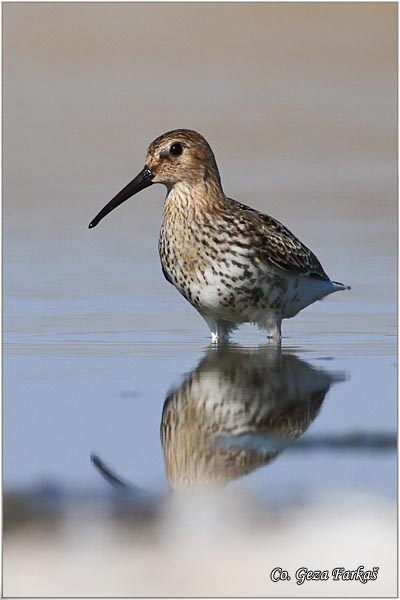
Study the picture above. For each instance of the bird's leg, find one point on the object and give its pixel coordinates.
(220, 330)
(273, 328)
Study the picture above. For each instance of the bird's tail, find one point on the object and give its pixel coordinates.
(340, 286)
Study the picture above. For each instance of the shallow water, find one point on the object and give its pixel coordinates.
(302, 122)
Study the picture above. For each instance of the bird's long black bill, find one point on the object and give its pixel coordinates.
(141, 181)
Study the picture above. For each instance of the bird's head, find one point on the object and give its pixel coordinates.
(181, 156)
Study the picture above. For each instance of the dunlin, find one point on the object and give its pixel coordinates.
(232, 263)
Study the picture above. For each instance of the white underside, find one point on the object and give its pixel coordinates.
(242, 289)
(301, 292)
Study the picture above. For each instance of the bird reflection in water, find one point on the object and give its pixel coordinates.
(217, 425)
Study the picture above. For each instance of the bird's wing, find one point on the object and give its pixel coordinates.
(278, 246)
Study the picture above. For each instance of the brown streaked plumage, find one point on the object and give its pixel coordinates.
(223, 420)
(232, 263)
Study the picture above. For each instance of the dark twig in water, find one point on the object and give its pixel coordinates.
(374, 442)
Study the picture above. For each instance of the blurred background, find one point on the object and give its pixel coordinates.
(299, 103)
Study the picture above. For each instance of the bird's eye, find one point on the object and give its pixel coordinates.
(176, 149)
